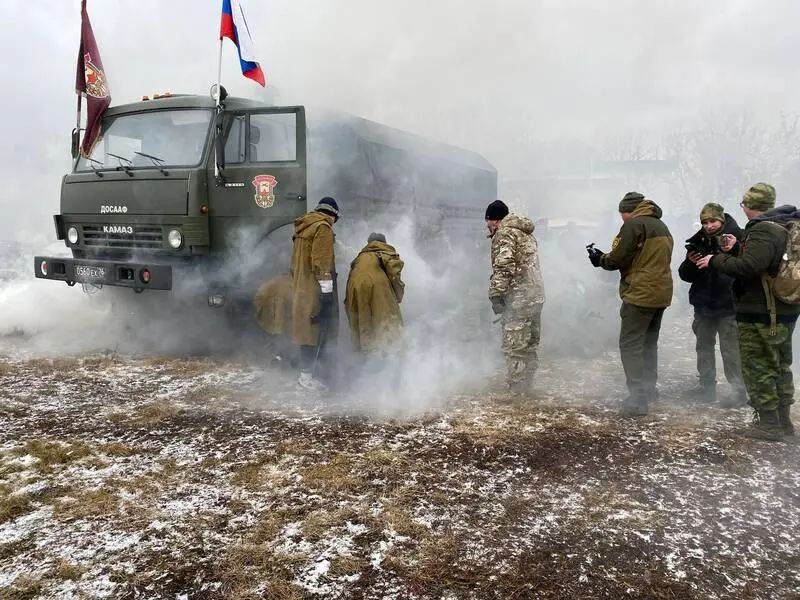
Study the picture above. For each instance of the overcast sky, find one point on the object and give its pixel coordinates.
(484, 75)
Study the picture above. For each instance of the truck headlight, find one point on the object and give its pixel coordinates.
(72, 235)
(175, 239)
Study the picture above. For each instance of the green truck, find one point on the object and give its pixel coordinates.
(178, 186)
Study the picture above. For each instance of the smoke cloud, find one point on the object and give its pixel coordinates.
(548, 91)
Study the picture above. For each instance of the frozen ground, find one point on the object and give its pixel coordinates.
(125, 477)
(184, 478)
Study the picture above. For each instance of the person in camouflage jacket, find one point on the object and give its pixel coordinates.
(516, 291)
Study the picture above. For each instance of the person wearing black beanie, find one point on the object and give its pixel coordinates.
(516, 291)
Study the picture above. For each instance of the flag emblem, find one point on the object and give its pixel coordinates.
(96, 85)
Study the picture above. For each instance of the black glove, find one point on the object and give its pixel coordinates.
(325, 308)
(594, 256)
(498, 305)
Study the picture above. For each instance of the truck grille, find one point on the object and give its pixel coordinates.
(143, 236)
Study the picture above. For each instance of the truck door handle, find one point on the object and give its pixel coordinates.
(293, 196)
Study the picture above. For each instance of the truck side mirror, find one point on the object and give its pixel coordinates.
(76, 139)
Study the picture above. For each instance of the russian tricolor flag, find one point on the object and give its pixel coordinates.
(234, 27)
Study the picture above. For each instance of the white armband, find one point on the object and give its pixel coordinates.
(326, 286)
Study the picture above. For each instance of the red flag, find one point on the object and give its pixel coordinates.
(90, 80)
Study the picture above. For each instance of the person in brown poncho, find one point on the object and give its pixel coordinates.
(372, 299)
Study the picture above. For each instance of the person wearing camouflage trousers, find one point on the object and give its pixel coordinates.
(710, 295)
(516, 291)
(642, 253)
(765, 346)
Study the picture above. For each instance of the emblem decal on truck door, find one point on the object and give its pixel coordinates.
(264, 185)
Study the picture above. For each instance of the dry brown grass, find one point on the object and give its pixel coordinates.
(253, 475)
(321, 521)
(297, 446)
(272, 523)
(8, 369)
(336, 475)
(101, 362)
(155, 412)
(245, 563)
(402, 521)
(95, 503)
(348, 565)
(15, 548)
(12, 411)
(24, 587)
(169, 466)
(14, 505)
(177, 367)
(209, 395)
(67, 571)
(52, 453)
(118, 449)
(41, 367)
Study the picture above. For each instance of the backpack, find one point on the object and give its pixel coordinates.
(785, 286)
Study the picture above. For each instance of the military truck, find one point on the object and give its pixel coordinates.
(180, 187)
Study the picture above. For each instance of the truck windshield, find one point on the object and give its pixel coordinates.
(162, 138)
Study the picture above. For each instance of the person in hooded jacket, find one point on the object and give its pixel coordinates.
(516, 291)
(314, 306)
(642, 253)
(710, 295)
(273, 312)
(372, 298)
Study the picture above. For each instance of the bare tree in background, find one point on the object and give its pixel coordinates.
(722, 155)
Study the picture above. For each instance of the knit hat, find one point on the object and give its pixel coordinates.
(760, 197)
(328, 206)
(376, 237)
(496, 211)
(712, 210)
(630, 201)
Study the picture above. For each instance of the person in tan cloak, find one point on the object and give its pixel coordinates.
(273, 312)
(314, 310)
(372, 299)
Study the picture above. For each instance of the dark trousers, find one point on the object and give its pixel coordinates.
(638, 347)
(707, 326)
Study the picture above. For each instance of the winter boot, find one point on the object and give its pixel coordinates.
(705, 393)
(634, 407)
(765, 426)
(786, 423)
(310, 383)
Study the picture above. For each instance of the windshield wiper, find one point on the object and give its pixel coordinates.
(156, 161)
(126, 168)
(94, 162)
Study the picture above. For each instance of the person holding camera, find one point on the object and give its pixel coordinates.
(710, 295)
(642, 253)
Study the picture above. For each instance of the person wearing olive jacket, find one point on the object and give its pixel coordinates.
(765, 345)
(642, 253)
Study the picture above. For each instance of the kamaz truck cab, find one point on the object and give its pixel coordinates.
(176, 185)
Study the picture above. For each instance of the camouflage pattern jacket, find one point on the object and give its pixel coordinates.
(516, 272)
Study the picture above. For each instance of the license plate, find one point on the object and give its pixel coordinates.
(84, 272)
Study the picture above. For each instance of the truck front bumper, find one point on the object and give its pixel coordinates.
(140, 276)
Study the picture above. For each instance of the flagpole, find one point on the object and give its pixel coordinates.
(217, 128)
